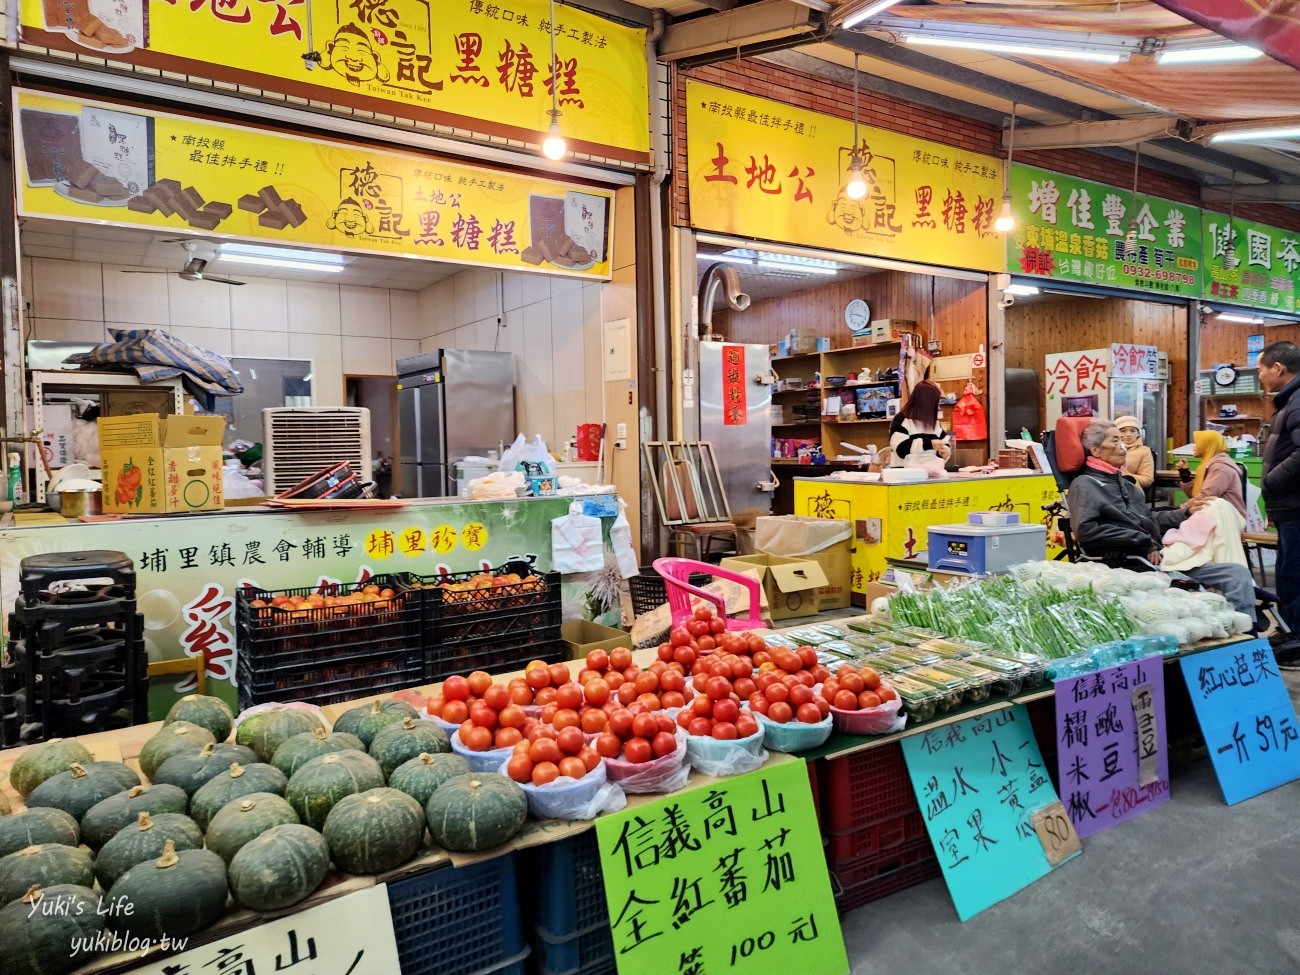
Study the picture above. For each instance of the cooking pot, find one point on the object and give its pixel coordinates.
(74, 504)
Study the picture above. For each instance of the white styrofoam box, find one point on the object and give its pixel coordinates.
(56, 436)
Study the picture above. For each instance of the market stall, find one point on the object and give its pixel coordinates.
(890, 520)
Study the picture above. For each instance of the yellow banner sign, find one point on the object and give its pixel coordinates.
(763, 169)
(84, 160)
(463, 60)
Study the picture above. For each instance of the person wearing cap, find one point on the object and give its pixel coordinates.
(1140, 463)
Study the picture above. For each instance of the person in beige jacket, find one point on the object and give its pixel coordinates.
(1140, 463)
(1219, 476)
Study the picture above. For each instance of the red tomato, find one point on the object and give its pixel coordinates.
(685, 716)
(566, 718)
(886, 693)
(725, 731)
(598, 660)
(520, 692)
(455, 689)
(853, 682)
(868, 699)
(672, 699)
(573, 767)
(679, 637)
(683, 654)
(478, 740)
(620, 722)
(545, 695)
(647, 683)
(808, 713)
(520, 768)
(700, 727)
(777, 692)
(627, 692)
(670, 680)
(870, 678)
(703, 614)
(706, 643)
(758, 702)
(820, 674)
(538, 678)
(697, 628)
(544, 773)
(846, 700)
(780, 712)
(545, 750)
(483, 716)
(568, 695)
(702, 706)
(717, 626)
(609, 745)
(594, 721)
(620, 658)
(571, 740)
(508, 737)
(559, 674)
(807, 657)
(800, 695)
(744, 687)
(645, 726)
(830, 687)
(614, 679)
(638, 750)
(497, 697)
(823, 706)
(718, 688)
(435, 705)
(521, 748)
(596, 691)
(478, 682)
(664, 744)
(720, 668)
(665, 722)
(746, 725)
(590, 758)
(665, 651)
(726, 710)
(548, 713)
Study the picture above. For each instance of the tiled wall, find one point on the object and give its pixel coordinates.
(553, 327)
(342, 329)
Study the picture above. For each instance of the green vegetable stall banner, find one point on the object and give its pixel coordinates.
(727, 877)
(188, 568)
(1070, 229)
(1250, 263)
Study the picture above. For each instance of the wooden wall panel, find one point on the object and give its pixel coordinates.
(1226, 341)
(1048, 324)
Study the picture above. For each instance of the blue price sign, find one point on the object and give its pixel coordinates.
(1246, 716)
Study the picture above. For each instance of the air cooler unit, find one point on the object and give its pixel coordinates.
(299, 441)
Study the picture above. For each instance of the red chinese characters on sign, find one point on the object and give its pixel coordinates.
(734, 410)
(1037, 260)
(206, 637)
(1077, 373)
(1134, 361)
(762, 176)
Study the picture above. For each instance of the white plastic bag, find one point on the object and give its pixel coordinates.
(714, 757)
(567, 798)
(534, 453)
(620, 538)
(511, 457)
(666, 774)
(576, 545)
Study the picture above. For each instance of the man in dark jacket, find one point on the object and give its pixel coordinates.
(1279, 373)
(1110, 517)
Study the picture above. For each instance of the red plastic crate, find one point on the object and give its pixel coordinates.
(886, 884)
(865, 788)
(858, 870)
(887, 834)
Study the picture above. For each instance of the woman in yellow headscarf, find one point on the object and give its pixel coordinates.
(1219, 476)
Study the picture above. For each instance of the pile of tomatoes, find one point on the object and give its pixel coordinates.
(856, 689)
(637, 737)
(610, 678)
(546, 755)
(715, 712)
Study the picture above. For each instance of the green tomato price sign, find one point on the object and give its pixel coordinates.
(727, 877)
(1070, 229)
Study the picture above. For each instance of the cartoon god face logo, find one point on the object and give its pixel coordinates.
(848, 215)
(352, 55)
(350, 219)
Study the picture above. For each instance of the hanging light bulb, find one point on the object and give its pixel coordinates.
(857, 184)
(554, 147)
(1005, 223)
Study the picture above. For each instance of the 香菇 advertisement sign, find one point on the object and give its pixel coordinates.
(764, 169)
(454, 62)
(104, 163)
(1070, 229)
(1250, 263)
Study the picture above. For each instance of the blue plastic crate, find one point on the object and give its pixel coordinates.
(458, 921)
(570, 891)
(588, 953)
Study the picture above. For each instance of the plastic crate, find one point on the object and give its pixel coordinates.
(850, 872)
(865, 788)
(507, 610)
(590, 952)
(270, 638)
(647, 589)
(875, 838)
(371, 673)
(493, 654)
(456, 921)
(885, 884)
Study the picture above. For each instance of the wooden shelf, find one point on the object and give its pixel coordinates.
(892, 344)
(800, 423)
(881, 419)
(791, 358)
(804, 391)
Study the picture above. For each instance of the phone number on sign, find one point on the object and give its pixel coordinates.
(1159, 274)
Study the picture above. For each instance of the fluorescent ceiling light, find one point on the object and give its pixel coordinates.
(283, 253)
(796, 268)
(1257, 135)
(867, 13)
(1031, 50)
(1023, 290)
(1207, 55)
(1242, 319)
(750, 261)
(282, 263)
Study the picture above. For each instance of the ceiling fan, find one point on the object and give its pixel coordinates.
(193, 269)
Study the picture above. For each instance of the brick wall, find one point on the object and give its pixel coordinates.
(818, 94)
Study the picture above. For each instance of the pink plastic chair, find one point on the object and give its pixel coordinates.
(675, 574)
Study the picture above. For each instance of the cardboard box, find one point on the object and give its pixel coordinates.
(800, 341)
(827, 541)
(158, 466)
(788, 584)
(884, 330)
(583, 636)
(130, 402)
(56, 437)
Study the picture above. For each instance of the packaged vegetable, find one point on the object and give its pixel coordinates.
(920, 701)
(979, 680)
(951, 689)
(1011, 675)
(953, 649)
(916, 655)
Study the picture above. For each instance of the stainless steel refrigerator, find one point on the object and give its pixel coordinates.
(736, 417)
(452, 404)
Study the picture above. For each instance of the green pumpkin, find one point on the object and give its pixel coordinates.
(235, 783)
(40, 824)
(206, 712)
(279, 868)
(192, 770)
(176, 738)
(82, 786)
(420, 777)
(318, 785)
(400, 743)
(374, 831)
(266, 731)
(246, 819)
(46, 760)
(43, 865)
(178, 894)
(367, 720)
(106, 819)
(301, 749)
(476, 811)
(144, 840)
(41, 942)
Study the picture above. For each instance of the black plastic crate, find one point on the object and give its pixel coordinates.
(459, 617)
(270, 637)
(368, 673)
(648, 592)
(492, 654)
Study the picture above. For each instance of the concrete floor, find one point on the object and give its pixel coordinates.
(1192, 888)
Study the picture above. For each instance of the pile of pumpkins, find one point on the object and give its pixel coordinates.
(261, 820)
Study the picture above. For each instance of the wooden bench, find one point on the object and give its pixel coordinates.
(1256, 542)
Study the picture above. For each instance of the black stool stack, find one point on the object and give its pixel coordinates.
(75, 662)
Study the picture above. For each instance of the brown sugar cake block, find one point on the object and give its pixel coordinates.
(84, 195)
(109, 187)
(565, 247)
(204, 220)
(141, 204)
(273, 220)
(111, 37)
(547, 248)
(222, 210)
(82, 174)
(88, 25)
(169, 186)
(270, 196)
(251, 203)
(532, 255)
(193, 197)
(562, 261)
(293, 212)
